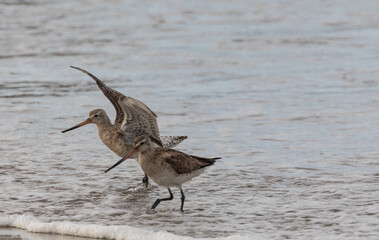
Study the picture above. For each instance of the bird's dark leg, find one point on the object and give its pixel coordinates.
(162, 199)
(183, 198)
(145, 180)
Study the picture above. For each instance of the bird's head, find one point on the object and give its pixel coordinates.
(142, 143)
(97, 116)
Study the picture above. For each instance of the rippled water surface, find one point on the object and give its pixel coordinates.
(286, 92)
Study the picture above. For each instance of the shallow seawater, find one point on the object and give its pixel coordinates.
(287, 93)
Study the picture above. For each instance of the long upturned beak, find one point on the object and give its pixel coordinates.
(123, 159)
(77, 126)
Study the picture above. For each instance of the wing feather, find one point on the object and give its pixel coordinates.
(139, 119)
(111, 94)
(183, 163)
(132, 115)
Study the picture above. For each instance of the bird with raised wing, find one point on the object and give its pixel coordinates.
(133, 118)
(166, 167)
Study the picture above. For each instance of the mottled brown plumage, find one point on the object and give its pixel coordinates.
(180, 162)
(167, 167)
(133, 118)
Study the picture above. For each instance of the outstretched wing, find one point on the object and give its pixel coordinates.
(138, 119)
(132, 115)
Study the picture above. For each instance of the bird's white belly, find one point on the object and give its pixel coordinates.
(170, 178)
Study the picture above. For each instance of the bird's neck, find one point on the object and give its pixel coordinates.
(110, 137)
(105, 127)
(146, 153)
(145, 160)
(105, 123)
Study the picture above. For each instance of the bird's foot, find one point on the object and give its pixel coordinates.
(145, 181)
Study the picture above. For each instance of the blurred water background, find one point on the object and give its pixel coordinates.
(286, 92)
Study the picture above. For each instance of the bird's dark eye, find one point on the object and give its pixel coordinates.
(142, 143)
(96, 115)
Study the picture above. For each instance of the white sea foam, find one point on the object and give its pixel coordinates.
(122, 232)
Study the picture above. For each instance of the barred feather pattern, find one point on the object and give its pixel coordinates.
(172, 141)
(132, 115)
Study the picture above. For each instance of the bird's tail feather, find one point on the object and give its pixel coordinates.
(206, 161)
(172, 141)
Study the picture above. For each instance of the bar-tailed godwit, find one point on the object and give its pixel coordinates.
(133, 118)
(167, 167)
